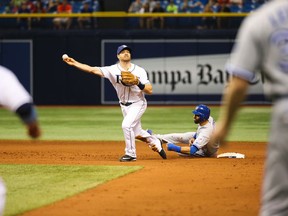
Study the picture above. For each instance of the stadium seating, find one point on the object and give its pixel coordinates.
(170, 22)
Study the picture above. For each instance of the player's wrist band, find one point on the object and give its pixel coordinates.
(193, 149)
(141, 86)
(27, 113)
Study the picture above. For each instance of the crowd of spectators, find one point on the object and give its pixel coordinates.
(136, 6)
(51, 6)
(193, 6)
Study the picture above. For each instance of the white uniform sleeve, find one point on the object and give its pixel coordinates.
(111, 73)
(12, 93)
(105, 71)
(143, 78)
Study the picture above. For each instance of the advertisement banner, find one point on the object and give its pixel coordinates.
(181, 71)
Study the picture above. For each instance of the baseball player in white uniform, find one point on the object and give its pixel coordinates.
(15, 98)
(262, 45)
(196, 141)
(131, 99)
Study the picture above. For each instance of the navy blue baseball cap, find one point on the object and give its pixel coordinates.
(123, 47)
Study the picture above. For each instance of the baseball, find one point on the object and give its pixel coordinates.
(64, 56)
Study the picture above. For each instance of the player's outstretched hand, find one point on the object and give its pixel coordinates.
(68, 59)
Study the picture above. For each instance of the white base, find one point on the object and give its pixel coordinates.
(231, 155)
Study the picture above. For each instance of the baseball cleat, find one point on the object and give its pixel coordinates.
(162, 153)
(127, 158)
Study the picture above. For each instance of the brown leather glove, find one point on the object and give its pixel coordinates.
(129, 79)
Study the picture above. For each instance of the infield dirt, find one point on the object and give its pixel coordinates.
(176, 186)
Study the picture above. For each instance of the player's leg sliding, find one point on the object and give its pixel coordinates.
(153, 142)
(173, 147)
(156, 145)
(185, 150)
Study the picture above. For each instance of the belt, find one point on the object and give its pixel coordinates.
(126, 104)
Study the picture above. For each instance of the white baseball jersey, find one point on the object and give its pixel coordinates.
(136, 107)
(204, 133)
(12, 93)
(124, 93)
(262, 45)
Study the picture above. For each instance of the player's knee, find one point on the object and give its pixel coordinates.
(126, 126)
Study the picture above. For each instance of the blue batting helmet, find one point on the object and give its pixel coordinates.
(203, 111)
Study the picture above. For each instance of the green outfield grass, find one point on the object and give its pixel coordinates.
(98, 123)
(33, 186)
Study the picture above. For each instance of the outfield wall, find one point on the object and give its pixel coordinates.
(185, 66)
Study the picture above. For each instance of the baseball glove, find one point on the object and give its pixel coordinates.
(129, 79)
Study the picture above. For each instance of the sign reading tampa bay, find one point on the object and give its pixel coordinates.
(181, 71)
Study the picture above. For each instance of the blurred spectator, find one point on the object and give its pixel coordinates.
(30, 5)
(38, 7)
(224, 22)
(9, 8)
(198, 5)
(135, 6)
(145, 22)
(237, 2)
(14, 6)
(152, 4)
(24, 23)
(211, 7)
(52, 6)
(17, 3)
(85, 22)
(236, 6)
(63, 22)
(172, 7)
(172, 22)
(184, 7)
(157, 22)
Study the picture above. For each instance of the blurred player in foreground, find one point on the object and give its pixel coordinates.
(262, 45)
(196, 141)
(2, 196)
(15, 98)
(131, 99)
